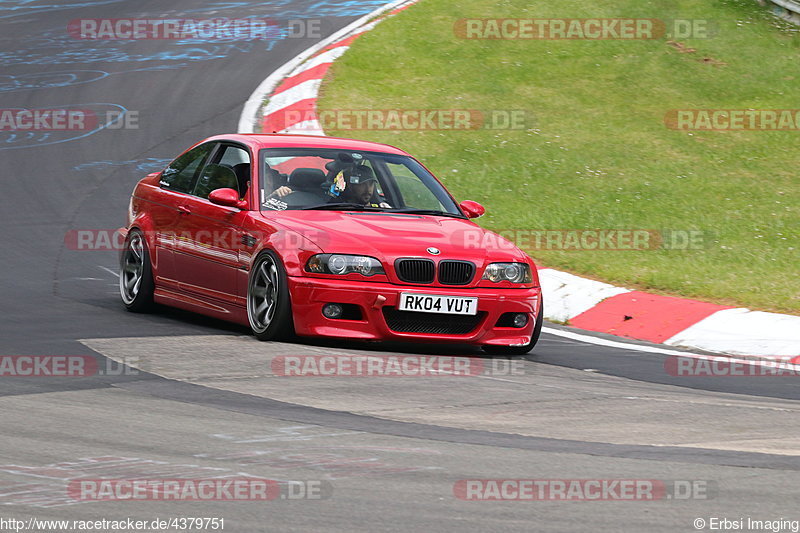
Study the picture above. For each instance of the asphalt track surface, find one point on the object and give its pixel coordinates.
(196, 397)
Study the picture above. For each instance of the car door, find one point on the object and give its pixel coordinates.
(175, 184)
(209, 236)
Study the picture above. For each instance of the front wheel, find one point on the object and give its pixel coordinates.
(269, 307)
(136, 274)
(520, 350)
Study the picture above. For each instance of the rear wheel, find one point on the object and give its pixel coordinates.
(269, 307)
(136, 274)
(520, 350)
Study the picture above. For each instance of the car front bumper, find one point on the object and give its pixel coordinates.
(309, 295)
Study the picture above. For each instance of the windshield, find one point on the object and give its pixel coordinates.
(308, 178)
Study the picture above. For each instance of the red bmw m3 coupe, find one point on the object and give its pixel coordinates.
(319, 236)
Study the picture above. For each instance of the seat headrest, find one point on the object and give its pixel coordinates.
(306, 179)
(242, 171)
(216, 177)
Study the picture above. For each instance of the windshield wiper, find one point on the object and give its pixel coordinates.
(345, 206)
(412, 211)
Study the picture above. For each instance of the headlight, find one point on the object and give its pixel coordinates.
(344, 264)
(513, 272)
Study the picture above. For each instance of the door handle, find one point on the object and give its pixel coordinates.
(183, 210)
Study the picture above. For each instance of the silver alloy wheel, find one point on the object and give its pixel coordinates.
(262, 296)
(132, 269)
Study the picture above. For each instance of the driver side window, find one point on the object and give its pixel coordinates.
(180, 175)
(229, 169)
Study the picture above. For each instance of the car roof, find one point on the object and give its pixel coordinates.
(285, 140)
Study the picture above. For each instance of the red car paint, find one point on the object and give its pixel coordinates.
(201, 254)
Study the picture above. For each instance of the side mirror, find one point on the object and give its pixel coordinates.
(472, 209)
(227, 197)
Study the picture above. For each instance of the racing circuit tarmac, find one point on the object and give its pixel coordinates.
(199, 399)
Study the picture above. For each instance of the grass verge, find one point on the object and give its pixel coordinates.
(598, 154)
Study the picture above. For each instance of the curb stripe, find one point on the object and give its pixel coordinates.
(307, 127)
(314, 73)
(290, 115)
(644, 316)
(742, 331)
(300, 92)
(567, 295)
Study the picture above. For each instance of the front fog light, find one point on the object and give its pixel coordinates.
(332, 311)
(520, 320)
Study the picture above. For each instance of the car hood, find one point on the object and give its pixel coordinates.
(388, 236)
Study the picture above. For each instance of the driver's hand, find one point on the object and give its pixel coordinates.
(384, 205)
(280, 192)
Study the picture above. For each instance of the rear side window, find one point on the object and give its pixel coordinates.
(234, 155)
(180, 175)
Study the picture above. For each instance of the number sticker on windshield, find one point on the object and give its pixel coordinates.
(275, 204)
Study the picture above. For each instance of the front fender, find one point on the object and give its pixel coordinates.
(292, 248)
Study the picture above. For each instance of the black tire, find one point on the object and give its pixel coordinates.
(520, 350)
(268, 282)
(136, 285)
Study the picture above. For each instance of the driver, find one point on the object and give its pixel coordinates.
(276, 182)
(359, 187)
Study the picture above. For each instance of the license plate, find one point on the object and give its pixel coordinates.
(436, 303)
